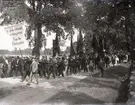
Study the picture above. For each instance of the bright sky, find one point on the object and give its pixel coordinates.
(6, 41)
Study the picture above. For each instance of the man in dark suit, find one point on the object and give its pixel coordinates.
(61, 66)
(27, 69)
(19, 66)
(52, 68)
(13, 67)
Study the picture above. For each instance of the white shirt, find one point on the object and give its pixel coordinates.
(6, 61)
(34, 66)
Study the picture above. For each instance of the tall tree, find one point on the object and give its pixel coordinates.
(49, 13)
(112, 19)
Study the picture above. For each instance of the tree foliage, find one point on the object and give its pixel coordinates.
(51, 14)
(13, 11)
(110, 21)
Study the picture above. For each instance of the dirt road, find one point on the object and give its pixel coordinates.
(75, 89)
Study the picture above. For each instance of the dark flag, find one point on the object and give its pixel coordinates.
(80, 43)
(56, 47)
(72, 51)
(95, 44)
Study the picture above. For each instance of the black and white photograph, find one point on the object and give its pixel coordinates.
(66, 52)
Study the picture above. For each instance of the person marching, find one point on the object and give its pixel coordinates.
(101, 65)
(27, 64)
(61, 66)
(52, 67)
(34, 71)
(19, 66)
(13, 67)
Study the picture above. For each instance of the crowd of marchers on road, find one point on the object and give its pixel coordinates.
(55, 66)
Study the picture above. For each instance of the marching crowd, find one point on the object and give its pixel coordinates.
(55, 66)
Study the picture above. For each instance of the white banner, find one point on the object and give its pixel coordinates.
(17, 33)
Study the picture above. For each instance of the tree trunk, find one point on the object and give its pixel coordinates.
(38, 43)
(72, 51)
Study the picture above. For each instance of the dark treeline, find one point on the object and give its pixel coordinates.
(24, 52)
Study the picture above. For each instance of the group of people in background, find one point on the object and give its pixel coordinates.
(56, 66)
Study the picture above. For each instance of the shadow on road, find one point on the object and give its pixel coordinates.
(84, 91)
(3, 90)
(4, 93)
(71, 98)
(110, 76)
(114, 72)
(109, 81)
(7, 89)
(123, 93)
